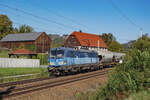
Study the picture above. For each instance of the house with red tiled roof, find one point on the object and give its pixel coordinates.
(85, 41)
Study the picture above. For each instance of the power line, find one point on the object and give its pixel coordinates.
(34, 27)
(31, 19)
(124, 15)
(19, 24)
(64, 17)
(36, 16)
(69, 19)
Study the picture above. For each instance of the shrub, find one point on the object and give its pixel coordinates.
(31, 47)
(144, 95)
(129, 77)
(43, 59)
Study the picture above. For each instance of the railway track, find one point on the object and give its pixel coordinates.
(22, 82)
(44, 85)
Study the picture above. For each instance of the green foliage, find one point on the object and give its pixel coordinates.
(111, 42)
(115, 46)
(108, 38)
(43, 59)
(4, 72)
(144, 95)
(128, 45)
(57, 40)
(31, 47)
(5, 26)
(4, 53)
(19, 71)
(25, 29)
(142, 43)
(129, 77)
(28, 47)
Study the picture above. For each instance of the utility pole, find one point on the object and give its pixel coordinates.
(141, 31)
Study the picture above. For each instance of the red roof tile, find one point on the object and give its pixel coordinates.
(22, 51)
(87, 39)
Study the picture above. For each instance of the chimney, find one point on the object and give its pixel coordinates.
(80, 30)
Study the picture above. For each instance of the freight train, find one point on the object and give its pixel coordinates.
(64, 61)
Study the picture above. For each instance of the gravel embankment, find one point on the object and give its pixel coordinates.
(64, 92)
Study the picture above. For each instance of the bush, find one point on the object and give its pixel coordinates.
(31, 47)
(43, 59)
(129, 77)
(142, 43)
(144, 95)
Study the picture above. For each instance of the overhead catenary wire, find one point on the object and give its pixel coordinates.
(38, 17)
(14, 15)
(64, 17)
(34, 27)
(61, 16)
(124, 15)
(19, 24)
(69, 19)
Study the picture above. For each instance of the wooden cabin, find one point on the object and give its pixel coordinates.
(39, 40)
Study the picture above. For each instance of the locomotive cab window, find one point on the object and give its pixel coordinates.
(57, 53)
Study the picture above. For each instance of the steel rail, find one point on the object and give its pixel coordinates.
(28, 89)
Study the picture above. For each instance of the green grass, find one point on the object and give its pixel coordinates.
(144, 95)
(4, 72)
(20, 71)
(4, 54)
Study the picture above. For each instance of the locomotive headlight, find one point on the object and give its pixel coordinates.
(61, 63)
(52, 63)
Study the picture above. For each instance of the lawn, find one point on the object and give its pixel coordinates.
(20, 71)
(4, 72)
(4, 54)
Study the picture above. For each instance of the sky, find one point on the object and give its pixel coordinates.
(123, 18)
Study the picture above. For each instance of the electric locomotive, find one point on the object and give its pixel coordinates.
(68, 60)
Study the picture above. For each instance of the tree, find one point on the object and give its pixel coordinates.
(142, 43)
(57, 40)
(25, 29)
(5, 26)
(115, 46)
(108, 38)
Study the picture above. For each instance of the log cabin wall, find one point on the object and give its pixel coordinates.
(43, 43)
(16, 44)
(71, 42)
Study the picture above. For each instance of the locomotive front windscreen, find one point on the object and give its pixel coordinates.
(57, 54)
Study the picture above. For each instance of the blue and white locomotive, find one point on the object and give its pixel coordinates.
(69, 60)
